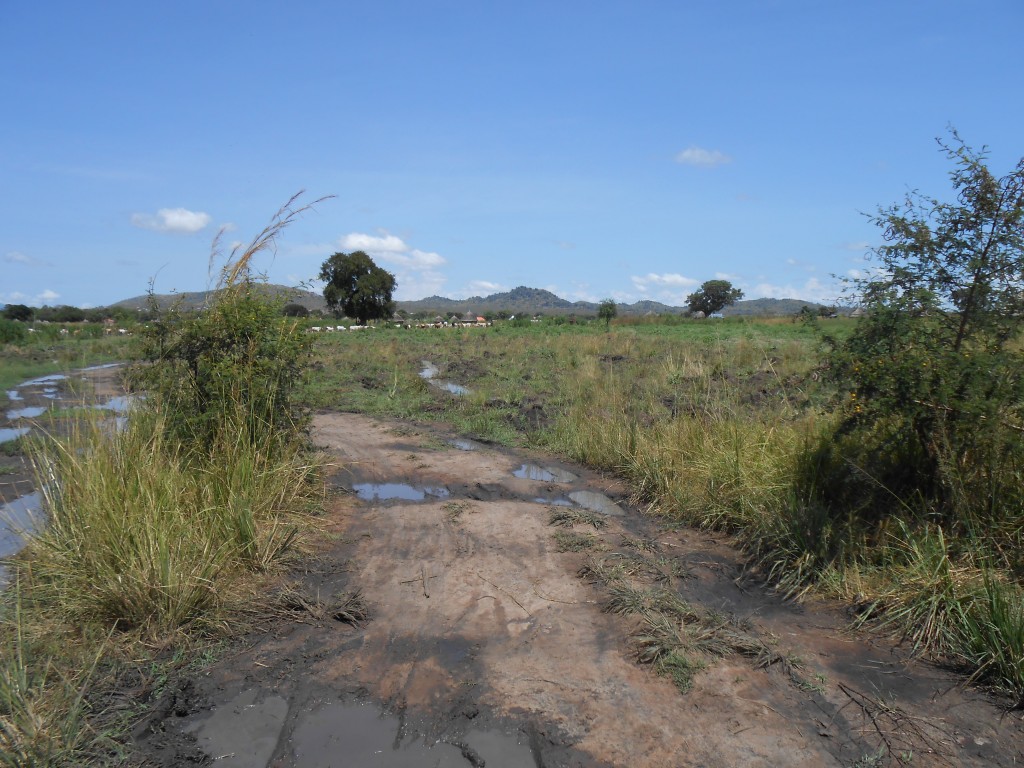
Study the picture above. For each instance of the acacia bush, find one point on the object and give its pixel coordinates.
(931, 381)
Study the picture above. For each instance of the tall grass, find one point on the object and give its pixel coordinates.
(42, 707)
(157, 545)
(158, 531)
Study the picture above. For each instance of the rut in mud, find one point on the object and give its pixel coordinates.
(479, 606)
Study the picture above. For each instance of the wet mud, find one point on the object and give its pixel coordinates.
(477, 642)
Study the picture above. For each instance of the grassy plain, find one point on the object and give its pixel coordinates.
(727, 425)
(718, 424)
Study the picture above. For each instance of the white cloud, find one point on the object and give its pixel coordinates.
(415, 259)
(644, 283)
(17, 297)
(669, 288)
(583, 292)
(375, 246)
(418, 285)
(479, 288)
(176, 220)
(812, 290)
(702, 158)
(15, 257)
(392, 250)
(416, 271)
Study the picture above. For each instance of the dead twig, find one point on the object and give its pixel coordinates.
(896, 729)
(504, 592)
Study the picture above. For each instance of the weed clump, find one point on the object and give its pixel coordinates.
(238, 359)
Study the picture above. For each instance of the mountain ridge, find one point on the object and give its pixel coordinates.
(521, 299)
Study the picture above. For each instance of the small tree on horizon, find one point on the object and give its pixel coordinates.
(19, 312)
(713, 296)
(294, 310)
(607, 311)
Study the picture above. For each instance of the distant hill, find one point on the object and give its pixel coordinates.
(527, 301)
(198, 299)
(521, 300)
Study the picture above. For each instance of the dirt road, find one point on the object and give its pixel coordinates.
(488, 640)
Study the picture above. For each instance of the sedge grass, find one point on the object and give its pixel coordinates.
(144, 535)
(42, 704)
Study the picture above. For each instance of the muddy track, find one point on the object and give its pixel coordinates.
(486, 642)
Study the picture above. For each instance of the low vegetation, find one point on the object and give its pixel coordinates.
(159, 532)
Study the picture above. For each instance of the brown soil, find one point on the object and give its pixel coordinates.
(476, 622)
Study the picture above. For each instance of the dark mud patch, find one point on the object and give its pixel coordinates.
(533, 415)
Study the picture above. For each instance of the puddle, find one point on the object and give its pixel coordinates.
(388, 491)
(453, 651)
(13, 395)
(17, 518)
(102, 367)
(455, 389)
(596, 502)
(366, 737)
(464, 445)
(53, 377)
(429, 371)
(245, 733)
(12, 433)
(26, 413)
(555, 502)
(544, 474)
(119, 404)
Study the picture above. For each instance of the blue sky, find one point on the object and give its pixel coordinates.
(597, 149)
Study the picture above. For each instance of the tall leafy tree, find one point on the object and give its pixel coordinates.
(357, 287)
(932, 376)
(713, 296)
(19, 312)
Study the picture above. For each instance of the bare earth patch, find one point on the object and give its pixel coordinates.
(444, 599)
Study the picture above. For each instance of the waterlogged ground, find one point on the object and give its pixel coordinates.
(485, 640)
(35, 407)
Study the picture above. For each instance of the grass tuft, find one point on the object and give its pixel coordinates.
(567, 517)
